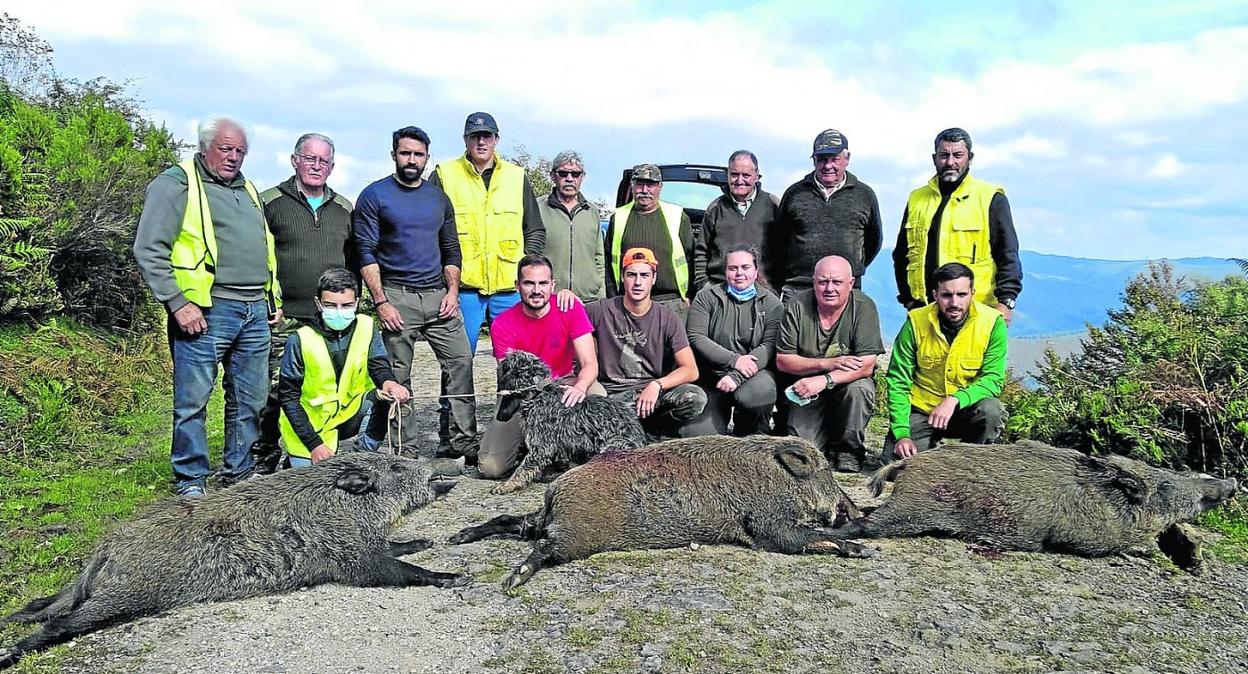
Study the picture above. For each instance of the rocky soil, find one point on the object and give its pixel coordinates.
(921, 605)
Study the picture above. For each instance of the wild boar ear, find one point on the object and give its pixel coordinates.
(1130, 485)
(356, 481)
(793, 459)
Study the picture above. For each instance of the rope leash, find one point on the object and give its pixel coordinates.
(501, 392)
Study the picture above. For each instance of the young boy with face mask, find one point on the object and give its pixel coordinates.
(333, 371)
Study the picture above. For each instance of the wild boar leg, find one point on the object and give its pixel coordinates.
(398, 549)
(794, 539)
(523, 526)
(60, 629)
(545, 553)
(32, 612)
(382, 571)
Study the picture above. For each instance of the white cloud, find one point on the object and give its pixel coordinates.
(1016, 150)
(1167, 166)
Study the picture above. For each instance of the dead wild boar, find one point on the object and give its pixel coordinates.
(326, 523)
(773, 494)
(1030, 496)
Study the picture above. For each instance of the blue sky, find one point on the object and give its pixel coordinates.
(1116, 127)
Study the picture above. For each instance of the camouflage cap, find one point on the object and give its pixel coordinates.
(639, 254)
(478, 122)
(647, 172)
(830, 141)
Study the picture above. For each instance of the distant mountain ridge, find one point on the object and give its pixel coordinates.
(1060, 293)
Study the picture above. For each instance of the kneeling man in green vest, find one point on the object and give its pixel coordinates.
(947, 370)
(335, 375)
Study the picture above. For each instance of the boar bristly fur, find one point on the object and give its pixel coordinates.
(1030, 496)
(326, 523)
(774, 494)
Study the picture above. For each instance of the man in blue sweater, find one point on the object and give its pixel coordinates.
(410, 259)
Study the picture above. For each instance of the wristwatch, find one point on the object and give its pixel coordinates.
(1008, 303)
(827, 380)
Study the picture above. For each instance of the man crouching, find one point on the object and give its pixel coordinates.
(333, 372)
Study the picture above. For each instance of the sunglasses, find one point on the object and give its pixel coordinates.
(569, 174)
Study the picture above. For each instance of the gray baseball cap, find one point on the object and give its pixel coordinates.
(830, 141)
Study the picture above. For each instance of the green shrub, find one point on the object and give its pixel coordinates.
(1164, 380)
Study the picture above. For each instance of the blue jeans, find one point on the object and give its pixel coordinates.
(473, 305)
(238, 338)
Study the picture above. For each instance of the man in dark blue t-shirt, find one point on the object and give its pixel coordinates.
(410, 260)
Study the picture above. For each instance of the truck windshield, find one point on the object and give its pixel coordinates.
(690, 195)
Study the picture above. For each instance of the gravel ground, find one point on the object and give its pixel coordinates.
(922, 605)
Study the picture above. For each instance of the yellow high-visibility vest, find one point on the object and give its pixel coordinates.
(964, 235)
(490, 222)
(194, 252)
(671, 216)
(941, 368)
(330, 402)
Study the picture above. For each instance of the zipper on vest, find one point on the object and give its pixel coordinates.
(973, 247)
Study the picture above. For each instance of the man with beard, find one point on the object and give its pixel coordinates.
(828, 212)
(739, 219)
(644, 357)
(409, 255)
(947, 369)
(311, 226)
(958, 218)
(564, 340)
(573, 232)
(829, 339)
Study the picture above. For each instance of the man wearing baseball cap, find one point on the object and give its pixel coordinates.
(828, 212)
(498, 221)
(644, 358)
(659, 227)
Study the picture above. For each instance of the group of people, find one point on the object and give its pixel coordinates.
(756, 324)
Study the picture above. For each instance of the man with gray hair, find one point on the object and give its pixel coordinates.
(204, 248)
(573, 233)
(740, 218)
(311, 226)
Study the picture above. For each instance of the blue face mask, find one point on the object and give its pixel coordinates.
(743, 295)
(338, 318)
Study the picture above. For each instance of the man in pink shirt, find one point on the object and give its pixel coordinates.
(564, 340)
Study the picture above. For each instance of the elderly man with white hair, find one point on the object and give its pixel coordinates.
(573, 232)
(205, 250)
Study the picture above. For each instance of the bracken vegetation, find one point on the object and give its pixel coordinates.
(1164, 380)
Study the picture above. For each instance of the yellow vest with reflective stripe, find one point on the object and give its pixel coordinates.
(671, 216)
(194, 252)
(330, 403)
(941, 368)
(963, 235)
(490, 222)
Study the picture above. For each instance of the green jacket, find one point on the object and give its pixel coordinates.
(901, 373)
(574, 246)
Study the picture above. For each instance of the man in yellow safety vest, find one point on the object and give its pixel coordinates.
(205, 250)
(334, 374)
(658, 226)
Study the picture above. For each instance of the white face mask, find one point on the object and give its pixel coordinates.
(337, 318)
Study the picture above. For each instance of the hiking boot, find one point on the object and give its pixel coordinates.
(848, 463)
(267, 457)
(191, 490)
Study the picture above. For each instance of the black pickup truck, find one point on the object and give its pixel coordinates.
(691, 186)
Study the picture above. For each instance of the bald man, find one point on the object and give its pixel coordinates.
(829, 339)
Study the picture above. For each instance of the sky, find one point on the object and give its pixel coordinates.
(1115, 127)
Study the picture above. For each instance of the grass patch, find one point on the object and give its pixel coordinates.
(84, 424)
(1231, 521)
